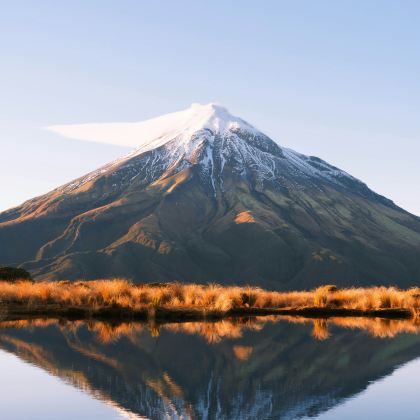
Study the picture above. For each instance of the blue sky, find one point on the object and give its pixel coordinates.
(336, 79)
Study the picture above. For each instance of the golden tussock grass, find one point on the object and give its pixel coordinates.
(121, 293)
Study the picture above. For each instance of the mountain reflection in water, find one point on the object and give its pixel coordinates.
(271, 367)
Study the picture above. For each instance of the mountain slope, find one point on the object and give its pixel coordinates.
(207, 197)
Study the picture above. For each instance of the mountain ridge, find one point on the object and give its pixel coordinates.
(208, 197)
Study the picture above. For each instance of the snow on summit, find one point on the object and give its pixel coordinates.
(207, 137)
(152, 133)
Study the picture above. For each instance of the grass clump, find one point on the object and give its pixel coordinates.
(120, 293)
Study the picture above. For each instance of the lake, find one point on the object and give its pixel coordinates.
(250, 368)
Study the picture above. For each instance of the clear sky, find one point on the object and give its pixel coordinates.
(335, 79)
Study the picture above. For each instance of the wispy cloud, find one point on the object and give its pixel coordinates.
(131, 134)
(120, 134)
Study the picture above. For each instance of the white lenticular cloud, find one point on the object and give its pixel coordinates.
(120, 134)
(135, 134)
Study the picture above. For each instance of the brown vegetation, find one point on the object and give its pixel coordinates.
(118, 294)
(13, 273)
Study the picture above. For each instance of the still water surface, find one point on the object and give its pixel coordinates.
(234, 369)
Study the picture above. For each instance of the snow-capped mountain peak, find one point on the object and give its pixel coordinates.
(204, 196)
(184, 124)
(211, 139)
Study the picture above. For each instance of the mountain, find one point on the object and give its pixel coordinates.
(207, 197)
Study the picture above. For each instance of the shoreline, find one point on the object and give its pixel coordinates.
(17, 311)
